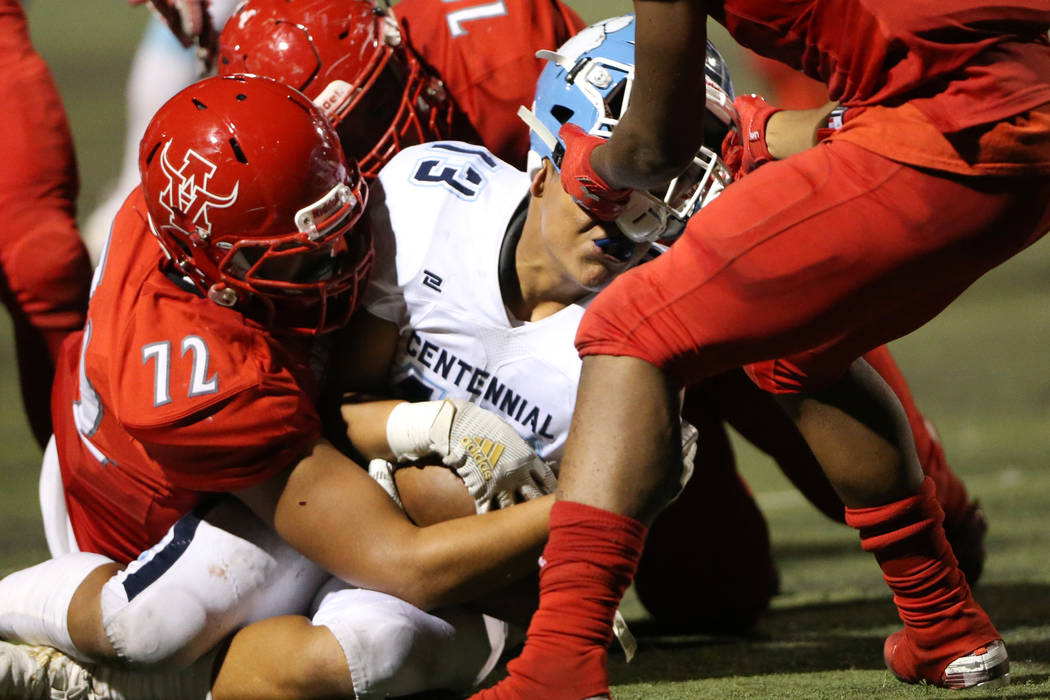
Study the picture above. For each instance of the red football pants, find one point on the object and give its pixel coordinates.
(820, 258)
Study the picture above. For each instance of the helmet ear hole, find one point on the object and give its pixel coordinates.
(561, 113)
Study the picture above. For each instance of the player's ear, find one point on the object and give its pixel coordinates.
(542, 178)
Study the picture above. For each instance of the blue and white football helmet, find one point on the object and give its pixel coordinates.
(588, 82)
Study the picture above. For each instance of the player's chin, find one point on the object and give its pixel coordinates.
(432, 494)
(597, 270)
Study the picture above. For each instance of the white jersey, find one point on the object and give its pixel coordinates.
(448, 208)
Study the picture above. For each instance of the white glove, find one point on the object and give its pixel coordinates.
(497, 466)
(690, 443)
(382, 472)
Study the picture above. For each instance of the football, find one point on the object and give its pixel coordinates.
(432, 493)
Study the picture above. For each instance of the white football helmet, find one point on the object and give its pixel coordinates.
(588, 83)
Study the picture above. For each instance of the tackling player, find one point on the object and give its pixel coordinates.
(186, 432)
(44, 268)
(484, 273)
(828, 253)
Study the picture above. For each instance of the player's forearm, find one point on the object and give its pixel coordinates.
(330, 510)
(792, 131)
(466, 558)
(366, 427)
(663, 126)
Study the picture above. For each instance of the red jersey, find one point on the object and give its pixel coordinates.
(962, 63)
(485, 52)
(166, 397)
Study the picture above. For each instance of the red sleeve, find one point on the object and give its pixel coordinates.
(239, 443)
(485, 52)
(239, 408)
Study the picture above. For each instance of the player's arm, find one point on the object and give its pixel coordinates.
(765, 133)
(329, 509)
(663, 126)
(791, 131)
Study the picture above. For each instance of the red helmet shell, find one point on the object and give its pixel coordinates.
(250, 195)
(351, 59)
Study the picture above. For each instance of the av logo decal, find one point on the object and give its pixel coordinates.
(187, 196)
(432, 280)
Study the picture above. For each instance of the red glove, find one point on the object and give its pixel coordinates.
(585, 186)
(745, 150)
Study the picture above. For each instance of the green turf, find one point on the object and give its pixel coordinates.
(981, 371)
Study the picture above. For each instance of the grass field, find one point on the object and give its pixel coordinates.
(981, 372)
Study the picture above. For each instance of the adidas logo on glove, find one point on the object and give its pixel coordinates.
(484, 452)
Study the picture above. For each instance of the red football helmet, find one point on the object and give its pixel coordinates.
(251, 197)
(353, 60)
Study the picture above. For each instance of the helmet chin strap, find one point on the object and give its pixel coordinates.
(543, 133)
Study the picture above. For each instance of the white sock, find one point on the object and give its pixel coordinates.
(34, 602)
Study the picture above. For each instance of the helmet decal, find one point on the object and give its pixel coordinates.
(187, 197)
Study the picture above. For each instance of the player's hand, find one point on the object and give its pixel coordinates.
(497, 466)
(745, 149)
(579, 179)
(189, 21)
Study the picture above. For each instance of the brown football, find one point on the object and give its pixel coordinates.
(432, 493)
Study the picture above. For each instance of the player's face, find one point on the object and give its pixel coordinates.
(587, 250)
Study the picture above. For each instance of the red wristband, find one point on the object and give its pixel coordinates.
(746, 150)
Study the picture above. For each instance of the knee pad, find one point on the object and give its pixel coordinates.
(208, 577)
(393, 648)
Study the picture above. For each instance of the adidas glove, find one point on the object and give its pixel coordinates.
(382, 472)
(497, 466)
